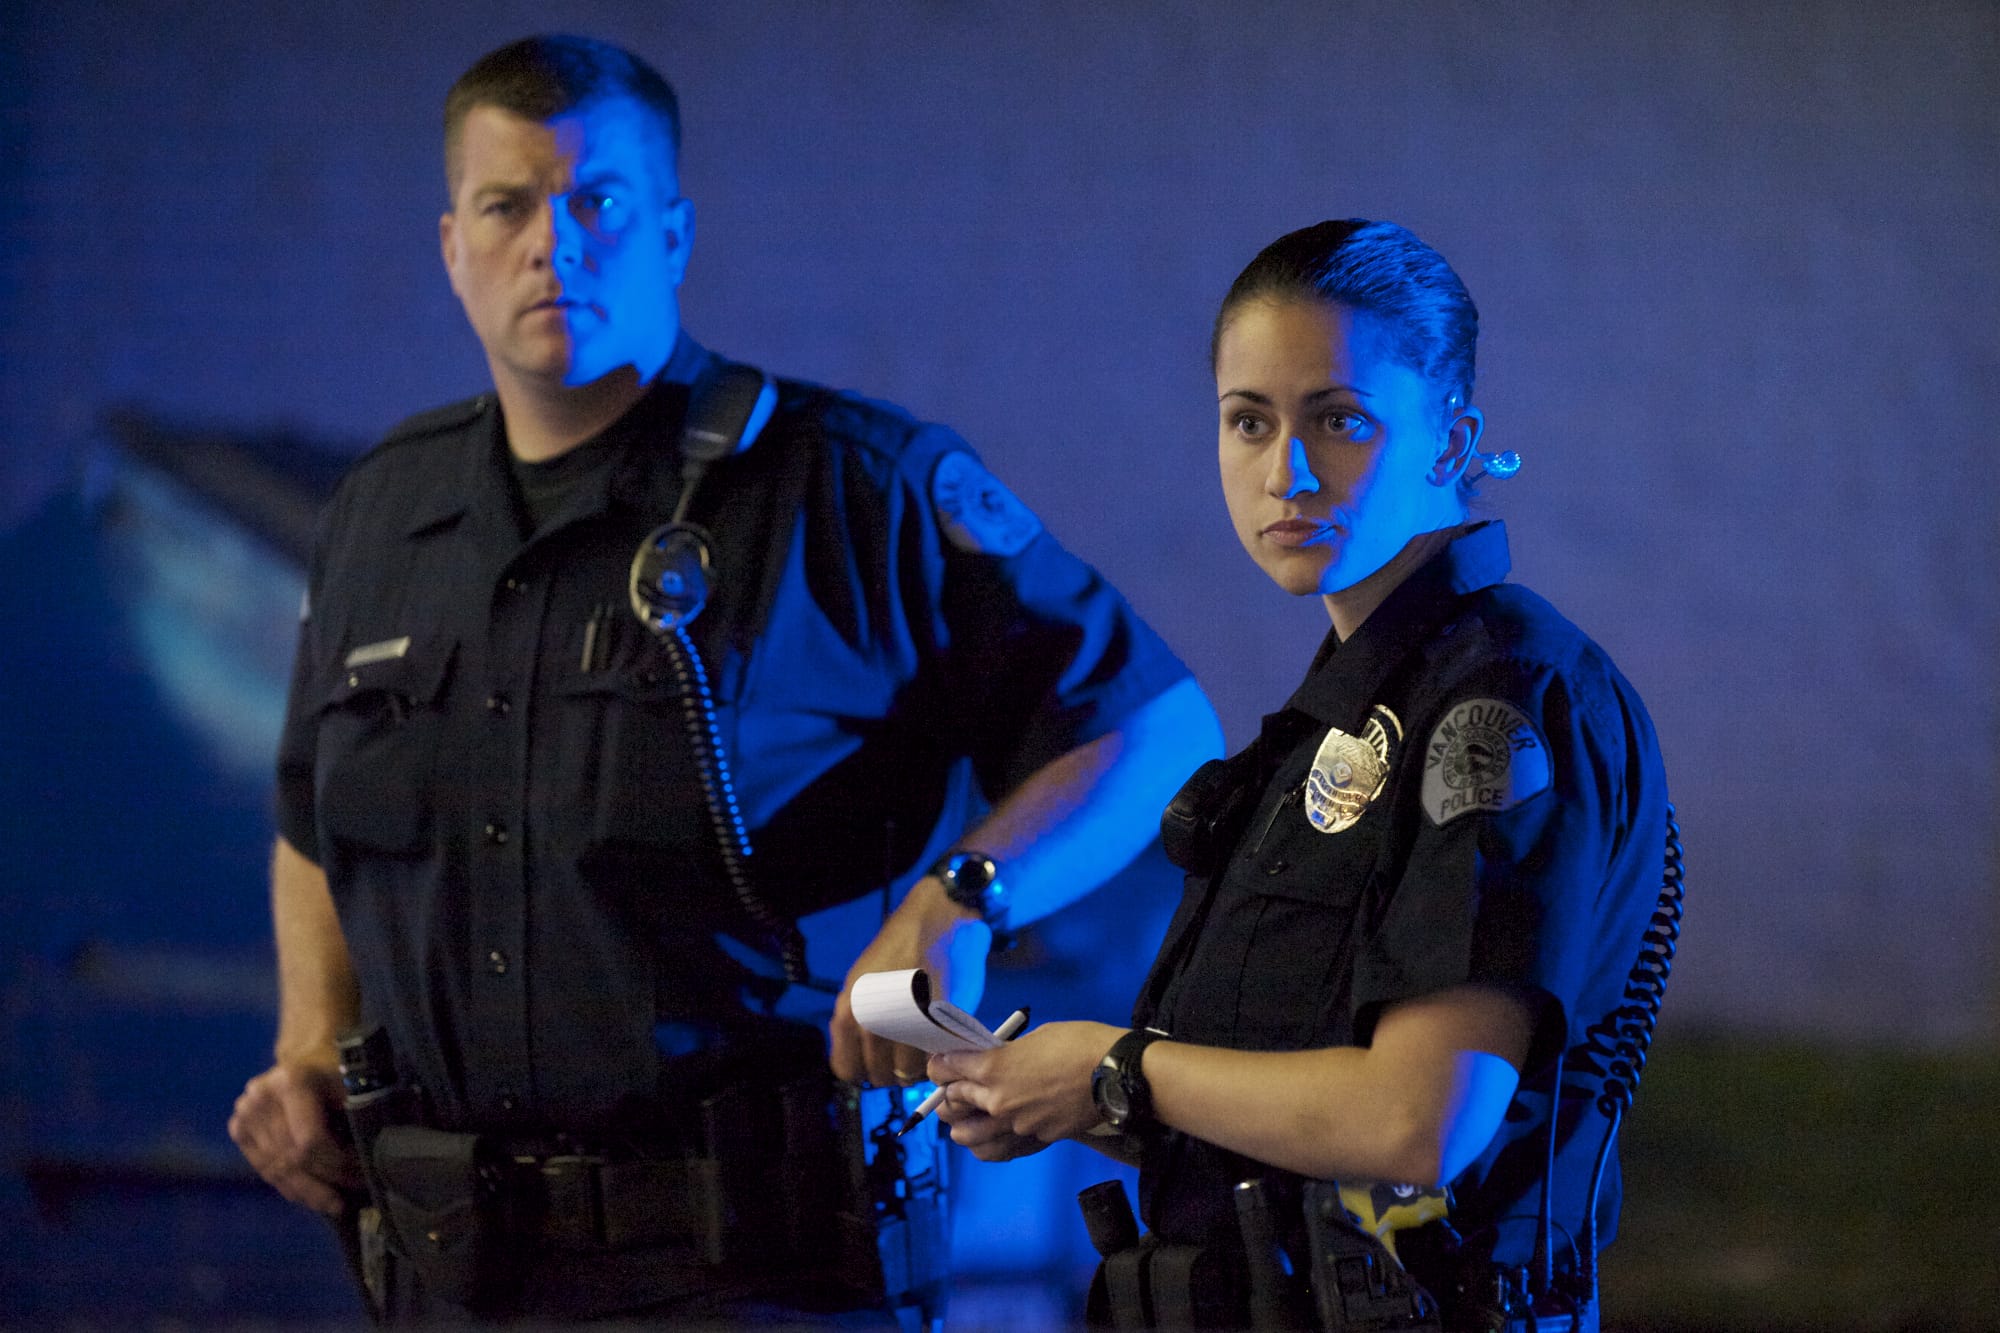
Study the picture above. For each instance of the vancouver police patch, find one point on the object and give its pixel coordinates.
(1350, 771)
(1484, 755)
(978, 514)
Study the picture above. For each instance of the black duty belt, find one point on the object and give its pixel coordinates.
(589, 1202)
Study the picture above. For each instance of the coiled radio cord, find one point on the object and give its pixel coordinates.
(732, 836)
(1621, 1039)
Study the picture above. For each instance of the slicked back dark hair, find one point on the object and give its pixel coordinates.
(543, 77)
(1380, 269)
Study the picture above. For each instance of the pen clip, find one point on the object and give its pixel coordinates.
(598, 632)
(1292, 797)
(590, 631)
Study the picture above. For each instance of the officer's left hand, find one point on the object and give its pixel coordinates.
(929, 931)
(981, 1134)
(1023, 1096)
(283, 1125)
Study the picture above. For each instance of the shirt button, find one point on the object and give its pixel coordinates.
(509, 1102)
(515, 585)
(496, 833)
(1277, 867)
(498, 704)
(496, 962)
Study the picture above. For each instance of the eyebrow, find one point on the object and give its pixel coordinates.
(1317, 395)
(501, 188)
(594, 180)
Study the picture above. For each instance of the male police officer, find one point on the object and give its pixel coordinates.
(516, 825)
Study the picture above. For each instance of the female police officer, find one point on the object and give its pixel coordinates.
(1428, 876)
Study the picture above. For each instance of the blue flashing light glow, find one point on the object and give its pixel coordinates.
(213, 615)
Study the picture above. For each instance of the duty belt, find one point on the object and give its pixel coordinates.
(590, 1202)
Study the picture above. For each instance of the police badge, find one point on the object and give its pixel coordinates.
(1350, 771)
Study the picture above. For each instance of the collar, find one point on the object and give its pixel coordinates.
(655, 416)
(1345, 677)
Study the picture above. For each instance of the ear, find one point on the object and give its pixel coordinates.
(448, 248)
(677, 221)
(1461, 447)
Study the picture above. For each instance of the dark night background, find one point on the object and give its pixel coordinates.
(1736, 268)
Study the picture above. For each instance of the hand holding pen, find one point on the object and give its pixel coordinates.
(1011, 1027)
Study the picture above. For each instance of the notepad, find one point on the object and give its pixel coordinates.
(901, 1007)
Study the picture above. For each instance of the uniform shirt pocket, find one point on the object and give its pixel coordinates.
(380, 722)
(628, 761)
(1302, 896)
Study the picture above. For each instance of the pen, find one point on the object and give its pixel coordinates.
(1009, 1029)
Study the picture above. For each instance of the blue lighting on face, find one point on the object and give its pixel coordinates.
(567, 241)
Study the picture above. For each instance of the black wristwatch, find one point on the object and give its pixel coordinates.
(972, 880)
(1116, 1085)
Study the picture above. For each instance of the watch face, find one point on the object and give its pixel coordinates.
(966, 879)
(1108, 1091)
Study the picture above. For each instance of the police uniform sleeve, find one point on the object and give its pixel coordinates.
(1040, 653)
(1514, 792)
(294, 800)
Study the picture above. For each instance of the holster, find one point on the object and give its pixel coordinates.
(1480, 1296)
(1357, 1284)
(1345, 1280)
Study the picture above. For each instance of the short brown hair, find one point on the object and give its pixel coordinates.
(550, 75)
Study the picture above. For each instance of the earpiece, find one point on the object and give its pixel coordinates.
(1476, 466)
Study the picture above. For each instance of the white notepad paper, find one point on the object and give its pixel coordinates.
(900, 1006)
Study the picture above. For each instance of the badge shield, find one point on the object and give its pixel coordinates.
(1348, 772)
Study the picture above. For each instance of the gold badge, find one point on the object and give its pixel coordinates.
(1350, 771)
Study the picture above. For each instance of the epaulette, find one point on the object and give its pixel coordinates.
(880, 427)
(437, 421)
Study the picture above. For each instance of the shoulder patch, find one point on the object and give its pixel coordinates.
(1484, 756)
(977, 513)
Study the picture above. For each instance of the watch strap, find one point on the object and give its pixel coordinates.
(1122, 1063)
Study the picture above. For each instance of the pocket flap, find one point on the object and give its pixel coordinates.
(650, 683)
(435, 1170)
(411, 669)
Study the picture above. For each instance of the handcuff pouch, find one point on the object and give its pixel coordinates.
(1153, 1285)
(447, 1202)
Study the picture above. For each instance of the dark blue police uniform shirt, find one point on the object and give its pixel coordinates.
(517, 845)
(1517, 840)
